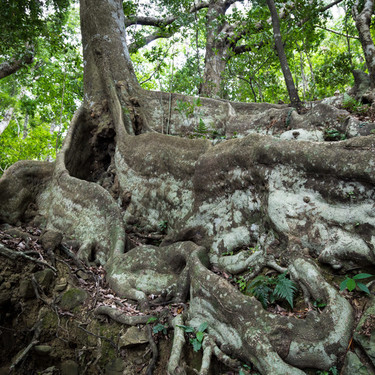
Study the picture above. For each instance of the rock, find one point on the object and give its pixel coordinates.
(43, 349)
(69, 367)
(26, 289)
(51, 239)
(364, 334)
(83, 275)
(353, 365)
(72, 298)
(115, 367)
(44, 278)
(61, 285)
(133, 336)
(361, 83)
(303, 135)
(5, 296)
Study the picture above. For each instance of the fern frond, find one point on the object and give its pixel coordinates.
(285, 289)
(261, 292)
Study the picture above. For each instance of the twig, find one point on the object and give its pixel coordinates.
(99, 336)
(36, 288)
(13, 255)
(70, 254)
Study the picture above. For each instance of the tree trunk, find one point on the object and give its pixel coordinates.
(239, 207)
(217, 48)
(6, 119)
(292, 91)
(362, 22)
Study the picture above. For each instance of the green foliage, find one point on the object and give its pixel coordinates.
(153, 319)
(352, 283)
(163, 226)
(332, 371)
(332, 134)
(242, 283)
(284, 289)
(160, 328)
(43, 98)
(319, 304)
(196, 336)
(353, 105)
(269, 289)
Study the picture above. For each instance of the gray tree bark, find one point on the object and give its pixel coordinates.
(362, 18)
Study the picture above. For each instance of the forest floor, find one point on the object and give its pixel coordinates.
(48, 323)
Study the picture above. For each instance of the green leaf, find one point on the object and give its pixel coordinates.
(344, 284)
(200, 336)
(363, 287)
(351, 284)
(196, 345)
(152, 320)
(160, 328)
(187, 329)
(203, 327)
(362, 276)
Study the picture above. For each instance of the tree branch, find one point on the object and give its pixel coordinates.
(135, 46)
(158, 22)
(9, 67)
(338, 33)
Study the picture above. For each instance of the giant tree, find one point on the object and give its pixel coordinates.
(245, 206)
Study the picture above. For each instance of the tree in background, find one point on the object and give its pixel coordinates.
(38, 101)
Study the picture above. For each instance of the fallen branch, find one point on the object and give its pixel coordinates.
(13, 255)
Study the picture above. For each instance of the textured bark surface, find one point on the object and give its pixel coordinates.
(362, 14)
(276, 197)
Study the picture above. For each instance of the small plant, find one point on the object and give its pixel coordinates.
(242, 283)
(160, 328)
(352, 283)
(268, 289)
(332, 371)
(227, 253)
(318, 304)
(351, 195)
(196, 336)
(333, 134)
(201, 130)
(353, 105)
(163, 226)
(157, 327)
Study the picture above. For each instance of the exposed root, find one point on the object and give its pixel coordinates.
(207, 346)
(174, 367)
(154, 349)
(13, 255)
(71, 255)
(120, 317)
(243, 261)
